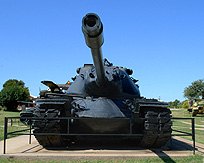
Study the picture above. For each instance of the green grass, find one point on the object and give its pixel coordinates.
(179, 125)
(17, 125)
(4, 114)
(190, 159)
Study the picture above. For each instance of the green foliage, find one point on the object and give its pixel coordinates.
(195, 90)
(14, 82)
(12, 92)
(171, 104)
(185, 104)
(176, 103)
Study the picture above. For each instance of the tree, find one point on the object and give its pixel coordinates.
(176, 103)
(195, 90)
(14, 82)
(171, 104)
(13, 91)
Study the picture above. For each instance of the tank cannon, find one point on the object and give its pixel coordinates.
(93, 33)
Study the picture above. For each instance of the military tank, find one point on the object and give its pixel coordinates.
(197, 107)
(103, 101)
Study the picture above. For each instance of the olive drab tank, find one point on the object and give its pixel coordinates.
(102, 100)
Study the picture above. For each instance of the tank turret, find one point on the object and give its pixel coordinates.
(101, 79)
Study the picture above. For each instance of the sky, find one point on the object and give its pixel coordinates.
(162, 41)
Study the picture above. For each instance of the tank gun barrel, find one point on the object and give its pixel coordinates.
(92, 28)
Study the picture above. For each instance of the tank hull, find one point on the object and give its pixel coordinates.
(145, 129)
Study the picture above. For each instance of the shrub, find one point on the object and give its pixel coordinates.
(185, 105)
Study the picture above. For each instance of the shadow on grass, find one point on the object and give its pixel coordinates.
(163, 156)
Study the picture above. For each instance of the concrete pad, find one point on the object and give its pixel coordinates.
(18, 143)
(18, 147)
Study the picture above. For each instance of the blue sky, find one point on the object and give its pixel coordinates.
(161, 40)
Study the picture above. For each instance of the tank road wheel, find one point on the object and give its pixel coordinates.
(157, 122)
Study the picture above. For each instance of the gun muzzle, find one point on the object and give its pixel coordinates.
(92, 28)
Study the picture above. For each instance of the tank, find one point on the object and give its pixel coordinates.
(197, 107)
(103, 101)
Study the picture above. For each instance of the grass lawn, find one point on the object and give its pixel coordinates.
(190, 159)
(185, 125)
(17, 125)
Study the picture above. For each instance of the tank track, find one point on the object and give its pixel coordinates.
(50, 108)
(158, 121)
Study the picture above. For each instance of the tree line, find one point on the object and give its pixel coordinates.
(194, 91)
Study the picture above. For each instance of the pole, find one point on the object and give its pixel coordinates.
(30, 132)
(193, 135)
(5, 133)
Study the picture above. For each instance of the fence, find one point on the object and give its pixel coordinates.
(19, 132)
